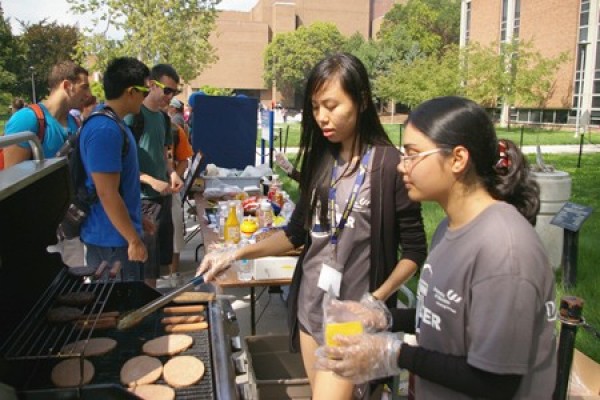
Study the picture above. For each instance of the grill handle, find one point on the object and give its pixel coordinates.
(32, 138)
(130, 319)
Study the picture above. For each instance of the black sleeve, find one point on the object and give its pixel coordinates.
(294, 230)
(455, 373)
(403, 320)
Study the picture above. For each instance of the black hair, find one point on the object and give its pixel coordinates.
(123, 73)
(160, 70)
(455, 121)
(316, 153)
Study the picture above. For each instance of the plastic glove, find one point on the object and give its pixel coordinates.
(372, 313)
(361, 358)
(284, 163)
(215, 263)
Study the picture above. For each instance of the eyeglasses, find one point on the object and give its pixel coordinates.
(407, 161)
(167, 90)
(142, 89)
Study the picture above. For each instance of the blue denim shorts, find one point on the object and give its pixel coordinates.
(130, 270)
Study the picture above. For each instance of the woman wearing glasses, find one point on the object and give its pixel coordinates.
(485, 309)
(352, 216)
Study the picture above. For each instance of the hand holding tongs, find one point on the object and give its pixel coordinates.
(132, 318)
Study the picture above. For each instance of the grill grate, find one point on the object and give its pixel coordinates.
(36, 338)
(124, 296)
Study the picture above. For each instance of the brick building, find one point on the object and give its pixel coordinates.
(240, 38)
(554, 26)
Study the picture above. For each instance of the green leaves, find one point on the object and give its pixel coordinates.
(154, 31)
(290, 56)
(515, 72)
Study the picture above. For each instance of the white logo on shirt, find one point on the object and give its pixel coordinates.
(453, 296)
(427, 267)
(551, 311)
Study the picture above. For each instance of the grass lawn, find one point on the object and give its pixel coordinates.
(586, 191)
(531, 136)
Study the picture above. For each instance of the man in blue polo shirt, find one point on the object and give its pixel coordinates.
(69, 88)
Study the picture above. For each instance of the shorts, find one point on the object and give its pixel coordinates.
(130, 270)
(165, 231)
(160, 244)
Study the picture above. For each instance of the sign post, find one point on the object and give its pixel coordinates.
(570, 217)
(266, 125)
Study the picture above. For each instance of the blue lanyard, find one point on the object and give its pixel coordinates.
(360, 178)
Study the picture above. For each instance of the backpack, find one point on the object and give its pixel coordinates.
(41, 132)
(137, 127)
(82, 199)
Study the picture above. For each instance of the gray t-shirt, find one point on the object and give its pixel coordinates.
(487, 292)
(353, 253)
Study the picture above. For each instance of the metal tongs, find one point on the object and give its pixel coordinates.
(133, 318)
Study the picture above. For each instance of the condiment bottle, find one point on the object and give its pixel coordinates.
(232, 225)
(274, 188)
(266, 214)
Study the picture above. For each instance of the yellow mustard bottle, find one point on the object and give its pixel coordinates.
(232, 226)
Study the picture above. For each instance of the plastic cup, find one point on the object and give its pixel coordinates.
(244, 270)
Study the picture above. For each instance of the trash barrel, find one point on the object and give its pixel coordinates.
(555, 191)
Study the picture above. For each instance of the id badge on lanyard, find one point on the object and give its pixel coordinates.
(330, 278)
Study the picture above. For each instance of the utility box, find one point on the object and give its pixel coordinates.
(273, 372)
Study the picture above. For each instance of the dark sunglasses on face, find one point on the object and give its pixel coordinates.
(167, 90)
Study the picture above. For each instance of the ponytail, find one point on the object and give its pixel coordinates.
(512, 182)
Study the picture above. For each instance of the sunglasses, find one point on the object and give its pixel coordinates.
(167, 90)
(142, 89)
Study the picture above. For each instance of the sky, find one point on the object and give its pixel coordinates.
(33, 11)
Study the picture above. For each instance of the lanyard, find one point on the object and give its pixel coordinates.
(360, 178)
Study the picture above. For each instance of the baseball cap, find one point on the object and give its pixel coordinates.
(176, 103)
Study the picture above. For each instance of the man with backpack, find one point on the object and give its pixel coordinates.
(113, 229)
(151, 127)
(50, 119)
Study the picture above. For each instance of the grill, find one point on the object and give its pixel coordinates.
(31, 279)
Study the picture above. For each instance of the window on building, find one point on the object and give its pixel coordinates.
(504, 20)
(584, 20)
(548, 116)
(584, 16)
(517, 22)
(562, 116)
(537, 116)
(468, 23)
(516, 19)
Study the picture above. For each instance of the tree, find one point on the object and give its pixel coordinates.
(376, 57)
(11, 58)
(214, 91)
(154, 31)
(514, 73)
(412, 42)
(45, 45)
(97, 89)
(412, 82)
(290, 56)
(421, 27)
